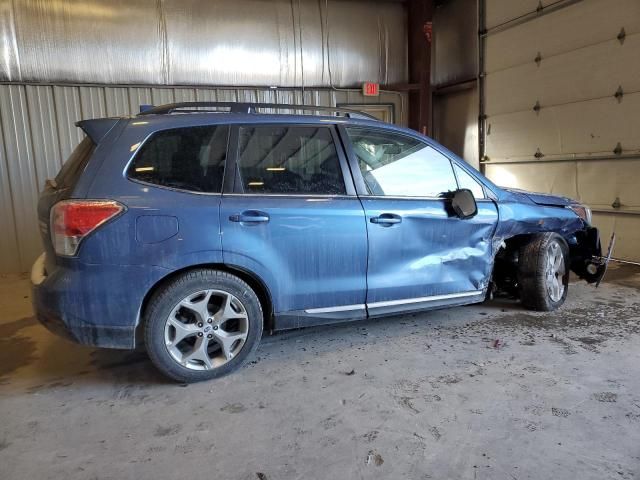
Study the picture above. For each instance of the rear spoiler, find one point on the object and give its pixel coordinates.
(98, 128)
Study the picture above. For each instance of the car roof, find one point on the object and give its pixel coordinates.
(186, 119)
(209, 113)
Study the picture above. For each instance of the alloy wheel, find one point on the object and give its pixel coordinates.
(555, 272)
(206, 329)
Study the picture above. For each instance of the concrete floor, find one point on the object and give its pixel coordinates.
(483, 392)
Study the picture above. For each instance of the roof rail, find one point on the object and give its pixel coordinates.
(239, 107)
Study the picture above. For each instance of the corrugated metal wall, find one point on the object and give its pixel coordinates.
(554, 122)
(37, 133)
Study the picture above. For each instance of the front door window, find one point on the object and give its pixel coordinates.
(400, 166)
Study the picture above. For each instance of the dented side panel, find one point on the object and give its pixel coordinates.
(430, 252)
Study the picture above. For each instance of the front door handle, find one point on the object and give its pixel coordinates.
(250, 216)
(386, 219)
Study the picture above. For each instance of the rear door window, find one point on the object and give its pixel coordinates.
(75, 164)
(191, 159)
(295, 160)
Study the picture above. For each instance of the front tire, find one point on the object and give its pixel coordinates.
(543, 272)
(202, 325)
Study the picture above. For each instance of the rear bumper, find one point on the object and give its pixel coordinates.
(86, 334)
(96, 305)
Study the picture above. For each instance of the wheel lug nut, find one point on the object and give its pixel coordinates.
(209, 336)
(215, 327)
(200, 334)
(210, 320)
(200, 324)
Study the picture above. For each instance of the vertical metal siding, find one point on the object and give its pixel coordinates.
(9, 261)
(46, 151)
(67, 105)
(117, 101)
(137, 97)
(17, 141)
(93, 102)
(38, 132)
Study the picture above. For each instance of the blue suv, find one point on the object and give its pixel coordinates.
(194, 227)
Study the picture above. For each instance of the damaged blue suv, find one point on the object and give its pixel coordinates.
(194, 227)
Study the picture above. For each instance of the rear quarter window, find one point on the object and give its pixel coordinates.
(190, 159)
(75, 164)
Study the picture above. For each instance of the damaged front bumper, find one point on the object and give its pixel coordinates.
(587, 260)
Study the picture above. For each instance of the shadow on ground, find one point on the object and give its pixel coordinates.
(30, 354)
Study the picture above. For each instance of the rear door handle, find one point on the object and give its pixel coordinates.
(386, 219)
(250, 216)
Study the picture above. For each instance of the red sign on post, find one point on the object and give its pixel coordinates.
(427, 28)
(370, 89)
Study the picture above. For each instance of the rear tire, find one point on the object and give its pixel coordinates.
(202, 325)
(543, 272)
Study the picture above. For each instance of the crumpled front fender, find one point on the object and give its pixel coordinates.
(526, 218)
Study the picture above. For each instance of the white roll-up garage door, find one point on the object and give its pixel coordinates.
(562, 99)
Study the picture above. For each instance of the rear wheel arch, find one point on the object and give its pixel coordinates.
(253, 280)
(203, 324)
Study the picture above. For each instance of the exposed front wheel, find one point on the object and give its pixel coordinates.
(204, 324)
(543, 272)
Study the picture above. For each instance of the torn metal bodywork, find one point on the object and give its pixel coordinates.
(523, 214)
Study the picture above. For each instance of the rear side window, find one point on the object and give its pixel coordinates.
(75, 164)
(289, 160)
(190, 159)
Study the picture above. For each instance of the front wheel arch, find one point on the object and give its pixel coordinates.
(533, 271)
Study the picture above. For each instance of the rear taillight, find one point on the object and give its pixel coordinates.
(72, 220)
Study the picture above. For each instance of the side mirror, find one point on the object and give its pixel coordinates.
(464, 203)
